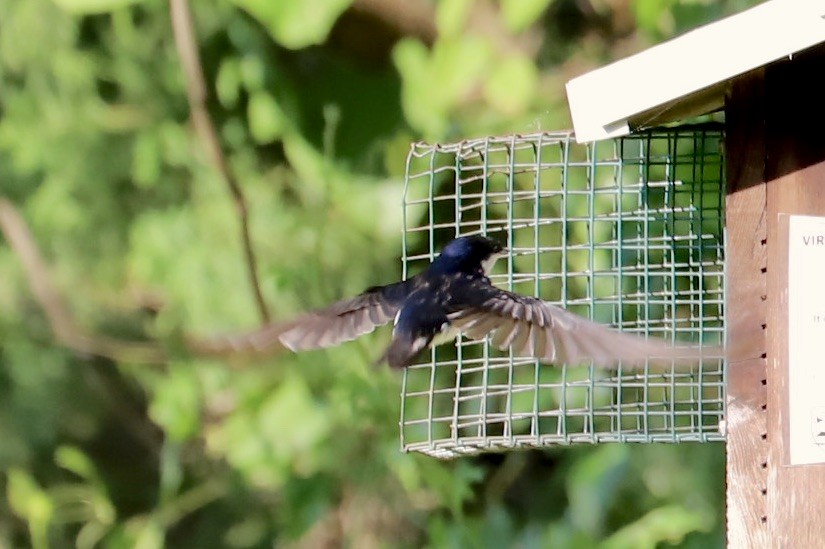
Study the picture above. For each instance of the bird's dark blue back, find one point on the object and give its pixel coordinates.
(462, 256)
(423, 315)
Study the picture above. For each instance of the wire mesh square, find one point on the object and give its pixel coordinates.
(627, 232)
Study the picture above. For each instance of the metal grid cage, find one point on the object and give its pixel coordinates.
(626, 232)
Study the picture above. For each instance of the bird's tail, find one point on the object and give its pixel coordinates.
(403, 350)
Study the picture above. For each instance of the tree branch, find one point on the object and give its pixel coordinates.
(205, 129)
(65, 329)
(260, 343)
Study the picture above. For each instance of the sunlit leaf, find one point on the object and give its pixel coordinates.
(266, 119)
(296, 24)
(86, 7)
(451, 16)
(669, 524)
(520, 14)
(149, 536)
(75, 460)
(437, 82)
(654, 16)
(294, 423)
(176, 404)
(512, 85)
(32, 504)
(419, 97)
(228, 82)
(252, 72)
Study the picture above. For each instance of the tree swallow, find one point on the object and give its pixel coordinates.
(454, 294)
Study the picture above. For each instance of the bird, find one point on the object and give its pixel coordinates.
(454, 295)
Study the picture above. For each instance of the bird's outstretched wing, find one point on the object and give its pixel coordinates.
(538, 329)
(342, 321)
(346, 320)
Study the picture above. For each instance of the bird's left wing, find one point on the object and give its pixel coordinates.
(346, 320)
(536, 328)
(342, 321)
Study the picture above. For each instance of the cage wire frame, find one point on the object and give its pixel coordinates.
(628, 232)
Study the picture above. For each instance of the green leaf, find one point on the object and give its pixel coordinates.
(451, 16)
(23, 492)
(75, 460)
(593, 483)
(520, 14)
(147, 159)
(266, 119)
(512, 85)
(228, 82)
(654, 16)
(176, 404)
(453, 484)
(150, 535)
(669, 524)
(296, 24)
(420, 101)
(308, 163)
(456, 65)
(88, 7)
(31, 503)
(294, 423)
(252, 73)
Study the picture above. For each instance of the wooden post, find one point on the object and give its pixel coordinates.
(747, 449)
(776, 164)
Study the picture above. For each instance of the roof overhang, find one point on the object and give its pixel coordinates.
(688, 76)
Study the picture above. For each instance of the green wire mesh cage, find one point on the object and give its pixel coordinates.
(626, 232)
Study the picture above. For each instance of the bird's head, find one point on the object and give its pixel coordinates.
(470, 253)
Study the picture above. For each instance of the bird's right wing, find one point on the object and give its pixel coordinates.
(342, 321)
(536, 328)
(346, 320)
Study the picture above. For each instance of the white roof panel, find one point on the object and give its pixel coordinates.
(682, 77)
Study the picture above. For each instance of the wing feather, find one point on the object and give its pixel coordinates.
(342, 321)
(521, 338)
(504, 333)
(347, 319)
(539, 341)
(532, 327)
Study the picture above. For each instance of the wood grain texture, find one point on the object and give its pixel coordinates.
(776, 165)
(747, 449)
(795, 170)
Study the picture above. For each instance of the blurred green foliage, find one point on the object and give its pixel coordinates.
(315, 103)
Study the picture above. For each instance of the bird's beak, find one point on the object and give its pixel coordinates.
(504, 252)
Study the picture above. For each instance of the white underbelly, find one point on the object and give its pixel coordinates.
(446, 335)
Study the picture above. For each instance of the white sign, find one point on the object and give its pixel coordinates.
(806, 339)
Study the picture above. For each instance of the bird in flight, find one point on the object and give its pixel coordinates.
(454, 294)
